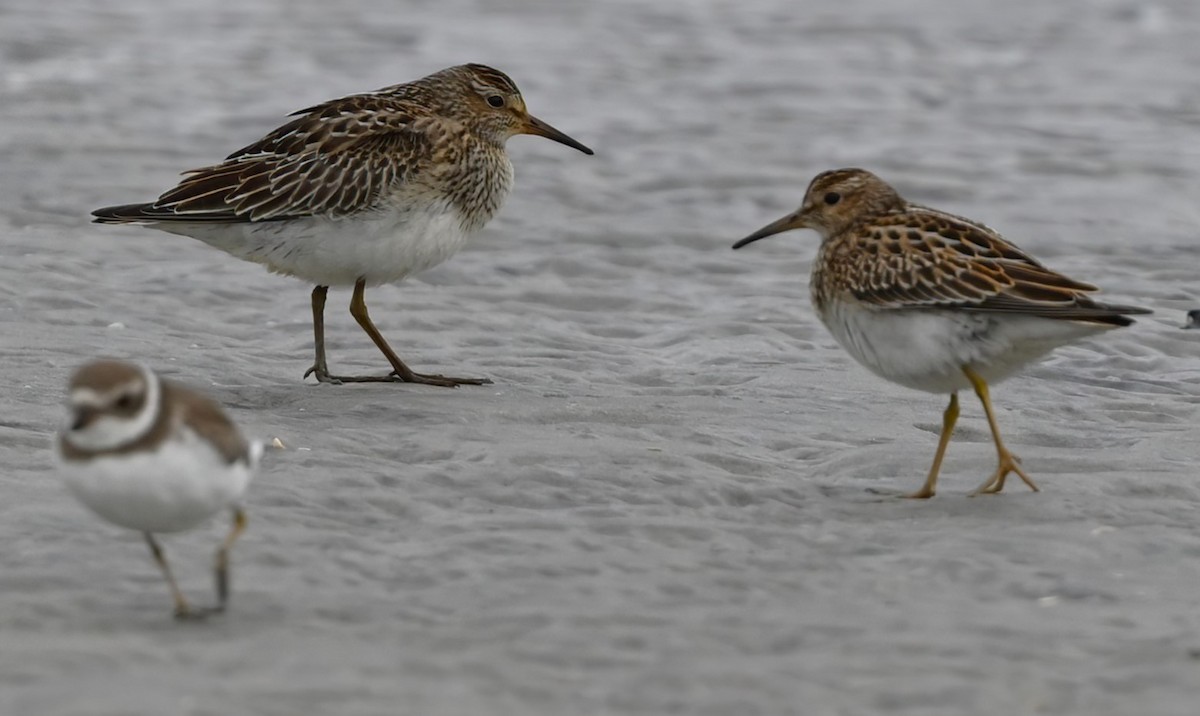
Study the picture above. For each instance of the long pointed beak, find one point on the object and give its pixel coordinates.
(533, 125)
(795, 220)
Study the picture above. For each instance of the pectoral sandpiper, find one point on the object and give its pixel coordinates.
(934, 301)
(359, 191)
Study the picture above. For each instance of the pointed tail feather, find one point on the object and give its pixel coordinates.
(154, 214)
(126, 214)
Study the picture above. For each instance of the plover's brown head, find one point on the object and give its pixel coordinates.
(111, 404)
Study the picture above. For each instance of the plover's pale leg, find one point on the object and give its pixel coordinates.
(1007, 461)
(948, 419)
(222, 561)
(182, 611)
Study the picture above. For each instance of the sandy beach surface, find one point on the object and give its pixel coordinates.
(677, 497)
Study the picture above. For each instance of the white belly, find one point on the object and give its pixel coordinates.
(182, 484)
(926, 349)
(381, 246)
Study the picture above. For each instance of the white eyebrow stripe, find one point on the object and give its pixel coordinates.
(86, 396)
(93, 399)
(109, 431)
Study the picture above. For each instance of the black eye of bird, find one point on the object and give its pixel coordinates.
(832, 198)
(125, 402)
(496, 100)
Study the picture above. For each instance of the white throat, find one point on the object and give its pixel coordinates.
(110, 433)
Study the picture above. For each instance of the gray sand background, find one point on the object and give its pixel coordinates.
(675, 498)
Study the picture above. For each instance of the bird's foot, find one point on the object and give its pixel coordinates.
(1008, 463)
(922, 494)
(323, 375)
(186, 613)
(439, 380)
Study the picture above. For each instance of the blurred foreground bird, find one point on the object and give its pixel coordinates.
(151, 455)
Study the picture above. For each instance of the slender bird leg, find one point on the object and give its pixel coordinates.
(1007, 461)
(319, 367)
(948, 419)
(182, 611)
(222, 561)
(358, 309)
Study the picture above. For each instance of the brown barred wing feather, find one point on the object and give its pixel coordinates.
(923, 258)
(338, 159)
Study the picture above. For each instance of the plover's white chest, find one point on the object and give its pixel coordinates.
(172, 487)
(927, 348)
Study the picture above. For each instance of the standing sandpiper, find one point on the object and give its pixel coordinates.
(933, 301)
(362, 191)
(153, 456)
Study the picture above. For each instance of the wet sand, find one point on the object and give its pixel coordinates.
(677, 495)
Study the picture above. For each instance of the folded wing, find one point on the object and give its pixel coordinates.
(337, 158)
(942, 261)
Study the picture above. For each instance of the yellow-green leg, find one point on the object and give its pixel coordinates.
(182, 611)
(1007, 461)
(948, 419)
(358, 309)
(222, 562)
